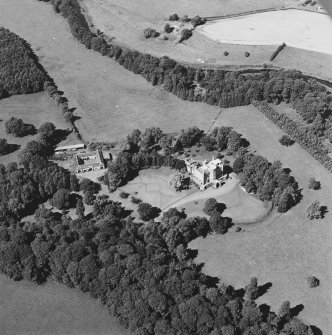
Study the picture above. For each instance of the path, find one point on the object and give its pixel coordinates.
(199, 195)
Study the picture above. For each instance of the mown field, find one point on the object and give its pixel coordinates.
(35, 109)
(51, 309)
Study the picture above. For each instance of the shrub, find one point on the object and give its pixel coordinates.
(314, 184)
(185, 34)
(174, 17)
(135, 200)
(212, 205)
(314, 211)
(167, 28)
(197, 21)
(286, 140)
(276, 53)
(150, 32)
(313, 281)
(124, 195)
(285, 203)
(226, 53)
(61, 199)
(18, 128)
(185, 18)
(247, 54)
(238, 165)
(179, 181)
(147, 212)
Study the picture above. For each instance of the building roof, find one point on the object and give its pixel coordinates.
(99, 159)
(72, 146)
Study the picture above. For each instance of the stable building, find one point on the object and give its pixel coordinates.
(89, 161)
(207, 174)
(69, 148)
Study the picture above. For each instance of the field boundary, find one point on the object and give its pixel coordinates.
(257, 11)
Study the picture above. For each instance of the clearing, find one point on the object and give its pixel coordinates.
(52, 309)
(35, 109)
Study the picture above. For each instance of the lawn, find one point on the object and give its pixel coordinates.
(35, 109)
(51, 309)
(242, 207)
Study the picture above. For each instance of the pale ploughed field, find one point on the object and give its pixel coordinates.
(297, 28)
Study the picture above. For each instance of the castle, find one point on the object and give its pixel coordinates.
(206, 174)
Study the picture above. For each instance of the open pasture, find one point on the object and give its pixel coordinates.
(158, 10)
(35, 109)
(110, 100)
(51, 309)
(127, 26)
(287, 248)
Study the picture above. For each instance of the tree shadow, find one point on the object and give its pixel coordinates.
(192, 253)
(60, 135)
(221, 207)
(75, 118)
(239, 293)
(265, 310)
(315, 330)
(287, 170)
(295, 311)
(155, 212)
(323, 211)
(72, 110)
(127, 212)
(12, 148)
(262, 289)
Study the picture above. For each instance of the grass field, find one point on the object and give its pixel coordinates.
(287, 248)
(96, 84)
(51, 309)
(35, 109)
(112, 18)
(125, 21)
(285, 251)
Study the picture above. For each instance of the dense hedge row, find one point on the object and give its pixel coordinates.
(20, 72)
(304, 136)
(216, 87)
(276, 53)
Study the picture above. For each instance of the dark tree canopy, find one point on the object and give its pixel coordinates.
(18, 128)
(61, 199)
